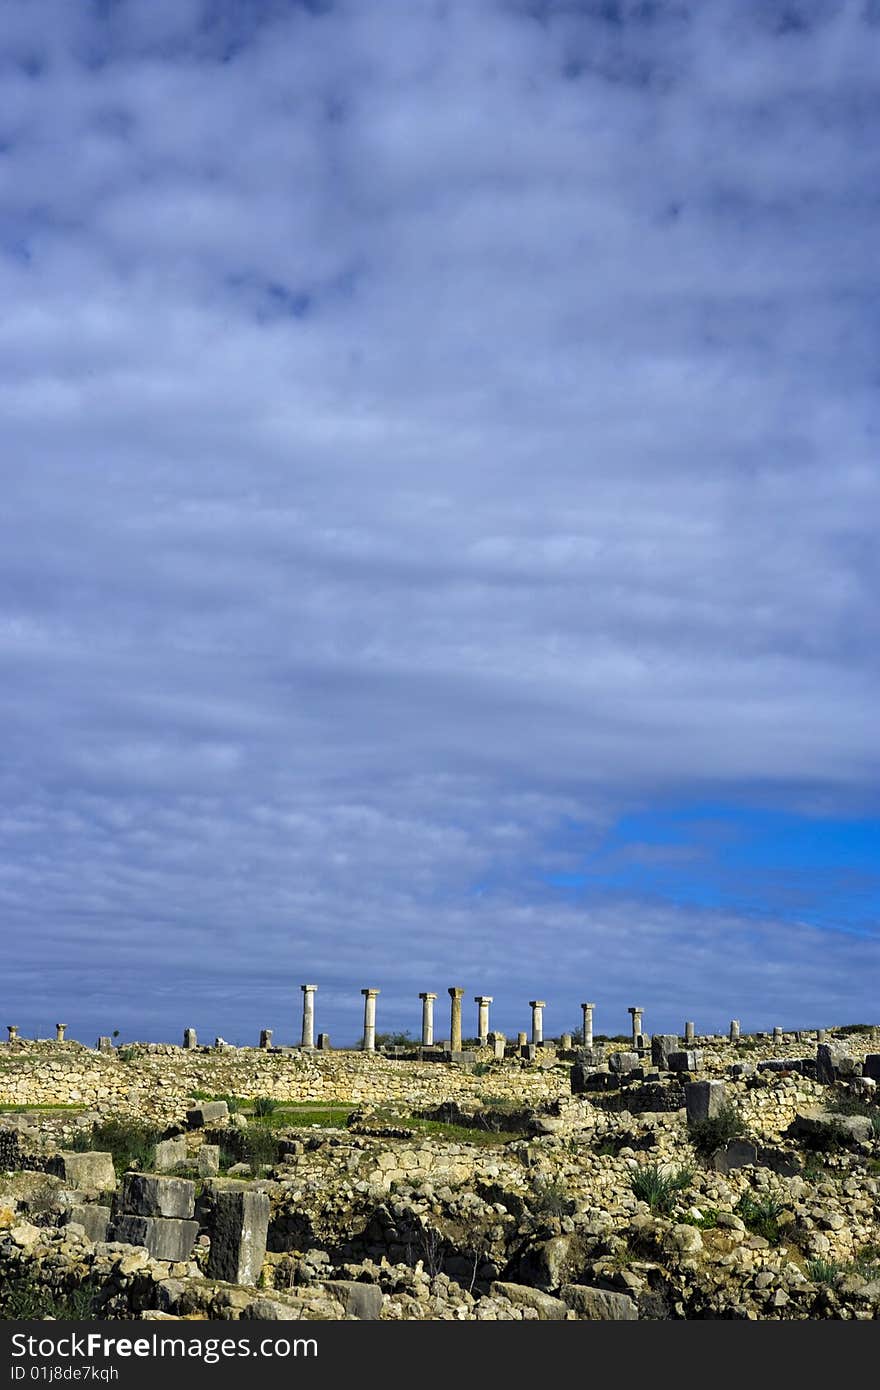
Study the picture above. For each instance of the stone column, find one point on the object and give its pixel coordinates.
(308, 1028)
(820, 1035)
(105, 1044)
(482, 1002)
(455, 995)
(189, 1039)
(777, 1035)
(427, 1018)
(12, 1030)
(497, 1042)
(265, 1037)
(537, 1007)
(565, 1042)
(588, 1024)
(60, 1030)
(636, 1014)
(688, 1033)
(369, 1042)
(734, 1029)
(521, 1039)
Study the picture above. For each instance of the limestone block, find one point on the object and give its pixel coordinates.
(170, 1153)
(829, 1056)
(209, 1160)
(736, 1153)
(703, 1099)
(662, 1045)
(362, 1301)
(871, 1066)
(623, 1061)
(165, 1238)
(598, 1304)
(93, 1218)
(549, 1309)
(209, 1112)
(146, 1194)
(89, 1172)
(238, 1237)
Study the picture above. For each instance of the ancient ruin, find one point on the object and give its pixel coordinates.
(583, 1177)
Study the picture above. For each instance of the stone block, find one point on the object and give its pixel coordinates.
(736, 1153)
(548, 1308)
(599, 1305)
(662, 1046)
(147, 1194)
(170, 1153)
(89, 1172)
(689, 1060)
(165, 1238)
(853, 1129)
(93, 1218)
(871, 1067)
(207, 1113)
(209, 1160)
(829, 1056)
(623, 1061)
(238, 1238)
(362, 1301)
(703, 1099)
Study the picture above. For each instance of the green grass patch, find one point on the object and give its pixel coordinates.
(41, 1109)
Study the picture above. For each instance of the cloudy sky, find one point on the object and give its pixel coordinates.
(439, 509)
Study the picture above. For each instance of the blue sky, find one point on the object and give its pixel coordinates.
(439, 503)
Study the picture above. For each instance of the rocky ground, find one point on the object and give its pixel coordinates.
(605, 1204)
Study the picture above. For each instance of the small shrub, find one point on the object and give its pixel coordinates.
(657, 1187)
(761, 1215)
(24, 1298)
(551, 1199)
(823, 1271)
(131, 1142)
(265, 1105)
(711, 1134)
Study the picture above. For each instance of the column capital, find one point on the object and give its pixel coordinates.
(588, 1006)
(426, 994)
(308, 989)
(454, 992)
(537, 1003)
(370, 993)
(635, 1009)
(483, 998)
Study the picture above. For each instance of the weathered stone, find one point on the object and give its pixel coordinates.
(736, 1153)
(623, 1061)
(146, 1194)
(871, 1067)
(360, 1300)
(549, 1309)
(93, 1218)
(209, 1161)
(703, 1099)
(170, 1153)
(165, 1238)
(598, 1305)
(238, 1236)
(662, 1046)
(88, 1172)
(829, 1056)
(208, 1113)
(690, 1060)
(854, 1129)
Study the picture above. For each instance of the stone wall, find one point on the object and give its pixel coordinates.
(156, 1082)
